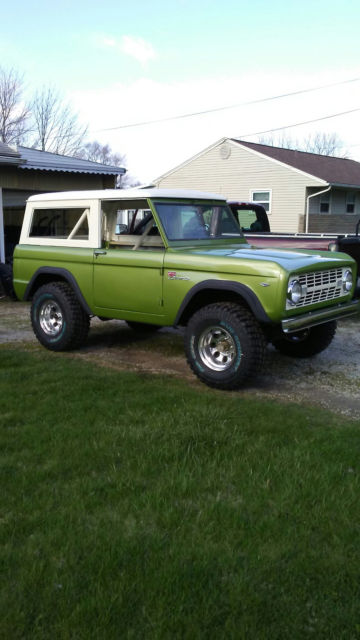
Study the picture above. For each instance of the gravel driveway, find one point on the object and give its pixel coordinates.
(331, 379)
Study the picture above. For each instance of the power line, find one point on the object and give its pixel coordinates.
(234, 106)
(298, 124)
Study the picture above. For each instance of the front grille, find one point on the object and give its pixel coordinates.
(319, 286)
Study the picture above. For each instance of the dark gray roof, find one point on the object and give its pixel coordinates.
(336, 171)
(9, 155)
(6, 150)
(46, 161)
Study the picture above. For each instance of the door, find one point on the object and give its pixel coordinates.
(129, 280)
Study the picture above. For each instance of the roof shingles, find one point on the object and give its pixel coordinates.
(336, 171)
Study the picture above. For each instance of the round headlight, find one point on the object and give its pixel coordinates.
(347, 280)
(295, 291)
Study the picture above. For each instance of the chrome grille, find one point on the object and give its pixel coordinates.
(319, 286)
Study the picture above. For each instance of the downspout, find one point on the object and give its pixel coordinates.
(312, 195)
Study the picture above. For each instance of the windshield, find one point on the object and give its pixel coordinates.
(189, 221)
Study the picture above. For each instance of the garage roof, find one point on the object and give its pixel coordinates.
(26, 158)
(46, 161)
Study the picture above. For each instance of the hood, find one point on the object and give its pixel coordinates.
(234, 255)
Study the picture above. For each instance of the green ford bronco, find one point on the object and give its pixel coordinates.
(156, 258)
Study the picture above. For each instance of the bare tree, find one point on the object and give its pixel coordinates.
(14, 114)
(283, 140)
(325, 144)
(97, 152)
(56, 126)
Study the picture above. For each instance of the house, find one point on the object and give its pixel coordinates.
(300, 191)
(25, 172)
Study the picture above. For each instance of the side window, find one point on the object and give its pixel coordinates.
(262, 197)
(129, 224)
(247, 218)
(350, 202)
(324, 203)
(120, 216)
(64, 224)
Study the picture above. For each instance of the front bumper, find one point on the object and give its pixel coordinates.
(297, 323)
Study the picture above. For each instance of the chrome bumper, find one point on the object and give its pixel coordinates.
(319, 317)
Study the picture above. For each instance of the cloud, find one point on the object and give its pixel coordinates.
(132, 46)
(154, 149)
(137, 48)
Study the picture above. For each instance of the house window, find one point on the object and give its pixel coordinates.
(324, 203)
(262, 197)
(350, 202)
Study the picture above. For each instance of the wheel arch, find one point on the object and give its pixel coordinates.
(45, 275)
(210, 291)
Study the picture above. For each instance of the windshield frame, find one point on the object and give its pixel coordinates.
(213, 236)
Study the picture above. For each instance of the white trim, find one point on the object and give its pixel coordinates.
(2, 230)
(123, 194)
(267, 190)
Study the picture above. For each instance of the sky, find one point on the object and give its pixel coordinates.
(120, 63)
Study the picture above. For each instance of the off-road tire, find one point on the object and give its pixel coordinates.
(224, 345)
(306, 343)
(57, 317)
(142, 327)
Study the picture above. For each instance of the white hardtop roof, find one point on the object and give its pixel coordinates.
(126, 194)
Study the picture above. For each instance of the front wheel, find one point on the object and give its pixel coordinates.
(306, 343)
(58, 320)
(224, 345)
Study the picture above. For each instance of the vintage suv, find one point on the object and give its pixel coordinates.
(158, 257)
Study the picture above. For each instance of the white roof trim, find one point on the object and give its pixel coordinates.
(126, 194)
(283, 164)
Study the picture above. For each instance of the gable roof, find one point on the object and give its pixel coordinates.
(26, 158)
(335, 171)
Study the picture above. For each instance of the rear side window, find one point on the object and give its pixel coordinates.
(63, 224)
(246, 218)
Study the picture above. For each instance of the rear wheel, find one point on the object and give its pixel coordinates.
(306, 343)
(58, 320)
(224, 345)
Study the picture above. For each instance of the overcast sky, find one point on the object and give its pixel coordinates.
(122, 63)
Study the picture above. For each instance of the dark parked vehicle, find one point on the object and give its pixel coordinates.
(255, 225)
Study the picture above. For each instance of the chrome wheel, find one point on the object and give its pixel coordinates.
(51, 318)
(217, 348)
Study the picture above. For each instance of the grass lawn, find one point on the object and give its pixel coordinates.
(134, 506)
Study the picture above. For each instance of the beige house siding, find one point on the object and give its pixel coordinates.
(235, 171)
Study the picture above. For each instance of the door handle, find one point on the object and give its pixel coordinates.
(99, 253)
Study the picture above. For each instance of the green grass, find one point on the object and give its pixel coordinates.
(136, 507)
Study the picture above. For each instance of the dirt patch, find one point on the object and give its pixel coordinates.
(331, 379)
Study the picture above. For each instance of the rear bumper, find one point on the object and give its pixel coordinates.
(319, 317)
